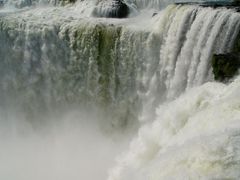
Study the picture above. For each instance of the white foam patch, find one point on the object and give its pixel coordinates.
(195, 136)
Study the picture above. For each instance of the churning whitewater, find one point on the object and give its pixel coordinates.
(76, 88)
(199, 140)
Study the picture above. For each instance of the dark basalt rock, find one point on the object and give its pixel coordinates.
(225, 66)
(111, 9)
(64, 2)
(154, 14)
(1, 3)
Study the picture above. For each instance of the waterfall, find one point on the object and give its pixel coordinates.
(64, 70)
(187, 38)
(111, 64)
(161, 4)
(106, 5)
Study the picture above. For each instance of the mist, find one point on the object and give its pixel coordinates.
(69, 146)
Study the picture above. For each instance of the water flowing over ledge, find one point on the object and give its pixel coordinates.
(112, 62)
(54, 59)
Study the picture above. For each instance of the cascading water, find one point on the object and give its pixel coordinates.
(63, 70)
(161, 4)
(193, 137)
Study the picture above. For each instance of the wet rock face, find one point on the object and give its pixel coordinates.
(65, 2)
(111, 9)
(225, 66)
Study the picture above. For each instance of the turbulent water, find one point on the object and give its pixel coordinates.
(195, 136)
(74, 88)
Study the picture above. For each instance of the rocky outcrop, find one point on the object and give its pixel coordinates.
(65, 2)
(111, 9)
(225, 66)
